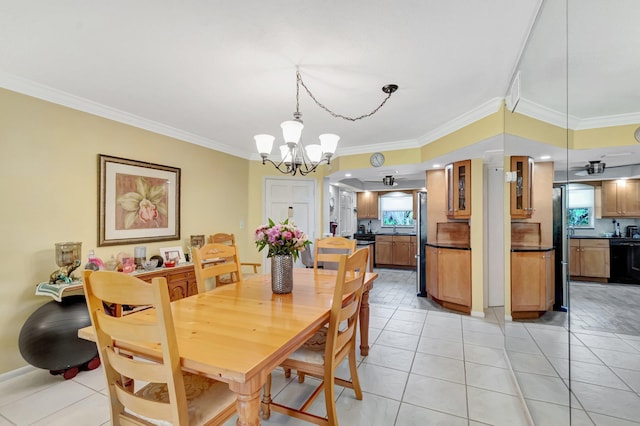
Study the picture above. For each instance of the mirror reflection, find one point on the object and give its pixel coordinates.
(577, 111)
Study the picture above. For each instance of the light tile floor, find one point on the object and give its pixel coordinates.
(426, 366)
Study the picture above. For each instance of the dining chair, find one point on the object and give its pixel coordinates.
(326, 349)
(328, 251)
(169, 394)
(230, 239)
(213, 260)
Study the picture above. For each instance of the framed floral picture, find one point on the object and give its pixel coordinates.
(139, 202)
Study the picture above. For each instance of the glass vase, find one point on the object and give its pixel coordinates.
(282, 273)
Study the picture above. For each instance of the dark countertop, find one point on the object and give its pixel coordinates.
(531, 248)
(618, 239)
(408, 234)
(449, 246)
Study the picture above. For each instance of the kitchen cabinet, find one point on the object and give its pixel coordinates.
(532, 283)
(589, 258)
(621, 198)
(367, 204)
(449, 277)
(522, 187)
(181, 280)
(458, 183)
(395, 250)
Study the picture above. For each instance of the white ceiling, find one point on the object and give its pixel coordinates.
(216, 73)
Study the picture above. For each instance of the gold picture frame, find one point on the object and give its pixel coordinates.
(139, 202)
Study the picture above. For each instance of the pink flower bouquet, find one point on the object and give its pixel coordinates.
(282, 239)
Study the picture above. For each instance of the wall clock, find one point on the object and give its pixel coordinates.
(377, 159)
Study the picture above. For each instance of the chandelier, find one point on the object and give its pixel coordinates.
(294, 156)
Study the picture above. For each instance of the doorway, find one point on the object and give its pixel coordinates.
(294, 199)
(495, 236)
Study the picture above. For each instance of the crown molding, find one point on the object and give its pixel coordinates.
(46, 93)
(548, 115)
(609, 121)
(490, 107)
(378, 147)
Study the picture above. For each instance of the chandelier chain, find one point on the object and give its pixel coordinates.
(336, 115)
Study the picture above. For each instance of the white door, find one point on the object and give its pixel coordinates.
(297, 194)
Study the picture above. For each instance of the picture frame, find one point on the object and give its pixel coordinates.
(197, 241)
(171, 253)
(139, 202)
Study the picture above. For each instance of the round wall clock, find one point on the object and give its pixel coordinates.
(377, 159)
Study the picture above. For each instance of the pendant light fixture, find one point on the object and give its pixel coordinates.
(294, 156)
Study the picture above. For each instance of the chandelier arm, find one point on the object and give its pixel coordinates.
(336, 115)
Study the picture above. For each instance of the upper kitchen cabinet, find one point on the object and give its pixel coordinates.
(621, 198)
(522, 187)
(458, 183)
(367, 203)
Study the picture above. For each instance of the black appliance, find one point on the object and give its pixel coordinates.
(632, 231)
(421, 241)
(625, 260)
(367, 239)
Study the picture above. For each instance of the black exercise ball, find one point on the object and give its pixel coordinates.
(49, 338)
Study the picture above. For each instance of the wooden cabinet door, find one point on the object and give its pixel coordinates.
(178, 290)
(402, 250)
(595, 258)
(574, 257)
(367, 205)
(454, 276)
(522, 188)
(462, 189)
(432, 272)
(528, 281)
(610, 206)
(629, 197)
(550, 279)
(384, 251)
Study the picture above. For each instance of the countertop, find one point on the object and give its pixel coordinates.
(449, 246)
(595, 237)
(531, 248)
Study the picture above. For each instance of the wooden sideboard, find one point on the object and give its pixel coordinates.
(181, 280)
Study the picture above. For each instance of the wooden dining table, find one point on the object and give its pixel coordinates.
(239, 333)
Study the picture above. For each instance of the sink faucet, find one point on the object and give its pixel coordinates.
(394, 228)
(572, 231)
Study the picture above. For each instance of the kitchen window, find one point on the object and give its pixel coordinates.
(396, 209)
(580, 209)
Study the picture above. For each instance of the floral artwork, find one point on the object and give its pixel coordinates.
(139, 202)
(282, 238)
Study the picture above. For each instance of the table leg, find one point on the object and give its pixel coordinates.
(364, 323)
(247, 404)
(266, 399)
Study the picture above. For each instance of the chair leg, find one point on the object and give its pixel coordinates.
(265, 406)
(353, 369)
(300, 377)
(330, 398)
(287, 373)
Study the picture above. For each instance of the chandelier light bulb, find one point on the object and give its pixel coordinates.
(314, 152)
(292, 131)
(286, 154)
(264, 143)
(329, 143)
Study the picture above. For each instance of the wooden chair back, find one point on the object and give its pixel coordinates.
(328, 251)
(338, 341)
(222, 238)
(341, 336)
(213, 260)
(114, 287)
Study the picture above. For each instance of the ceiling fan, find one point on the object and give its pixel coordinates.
(388, 180)
(593, 168)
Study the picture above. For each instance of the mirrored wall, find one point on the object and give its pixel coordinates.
(578, 110)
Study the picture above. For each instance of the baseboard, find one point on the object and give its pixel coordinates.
(17, 372)
(478, 314)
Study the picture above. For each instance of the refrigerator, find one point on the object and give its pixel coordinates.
(560, 245)
(421, 240)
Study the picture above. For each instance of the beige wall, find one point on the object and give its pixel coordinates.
(48, 170)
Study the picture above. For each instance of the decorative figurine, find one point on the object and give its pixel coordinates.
(68, 259)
